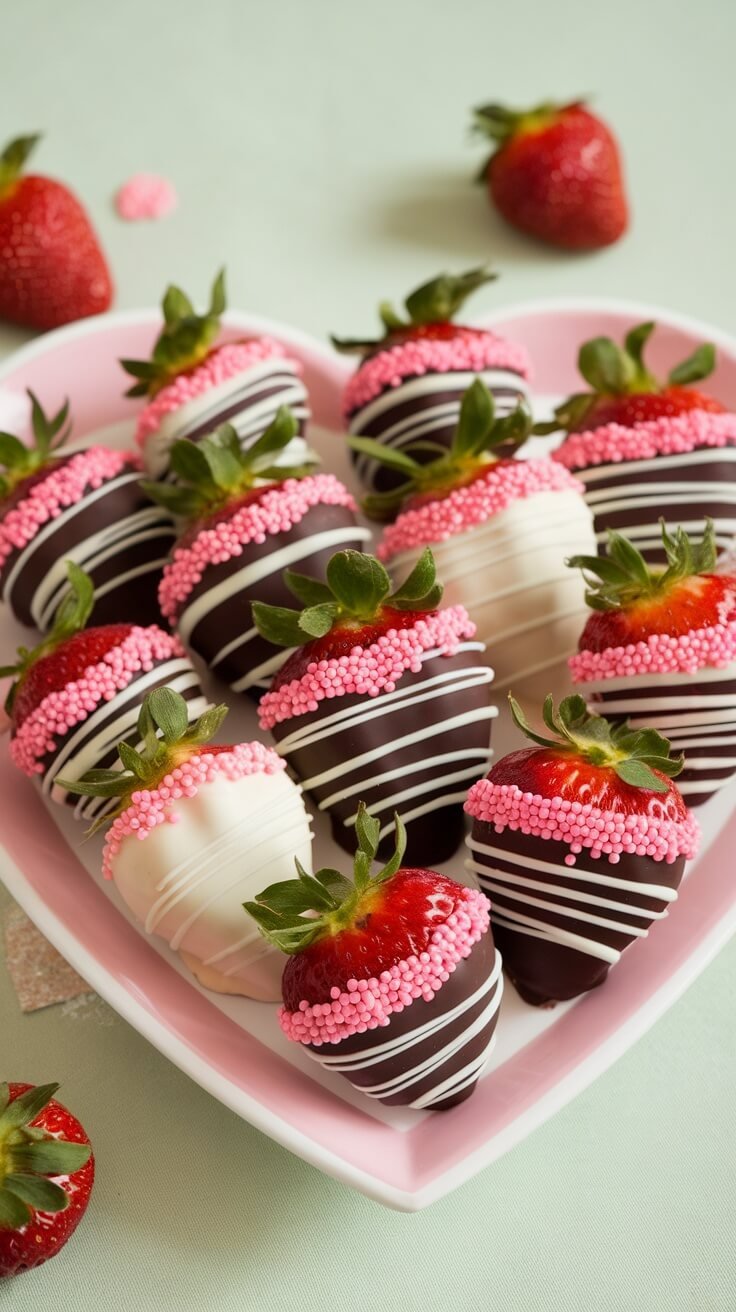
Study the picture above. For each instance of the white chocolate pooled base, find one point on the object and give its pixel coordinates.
(510, 574)
(188, 881)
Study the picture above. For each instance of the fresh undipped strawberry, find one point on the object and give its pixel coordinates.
(238, 506)
(555, 174)
(500, 530)
(204, 807)
(660, 647)
(408, 387)
(382, 957)
(623, 389)
(581, 842)
(46, 1175)
(384, 696)
(52, 269)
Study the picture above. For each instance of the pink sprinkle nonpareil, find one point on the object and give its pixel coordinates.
(668, 436)
(468, 350)
(223, 363)
(366, 1004)
(367, 671)
(146, 196)
(475, 503)
(64, 485)
(276, 511)
(662, 834)
(61, 711)
(151, 807)
(706, 648)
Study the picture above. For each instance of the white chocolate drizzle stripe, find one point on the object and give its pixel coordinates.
(660, 891)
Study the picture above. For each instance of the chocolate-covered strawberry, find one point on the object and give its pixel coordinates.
(87, 507)
(77, 694)
(195, 831)
(644, 447)
(245, 518)
(581, 842)
(386, 698)
(659, 649)
(392, 979)
(409, 383)
(194, 381)
(500, 530)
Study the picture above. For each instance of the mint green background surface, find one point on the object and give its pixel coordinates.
(319, 150)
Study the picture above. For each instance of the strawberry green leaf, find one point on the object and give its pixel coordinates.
(389, 456)
(477, 411)
(623, 578)
(27, 1106)
(639, 775)
(318, 620)
(699, 365)
(12, 451)
(15, 156)
(358, 581)
(605, 366)
(278, 625)
(132, 760)
(635, 341)
(13, 1213)
(436, 301)
(37, 1192)
(307, 590)
(184, 341)
(169, 712)
(50, 1156)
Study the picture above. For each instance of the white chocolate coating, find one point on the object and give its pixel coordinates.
(510, 574)
(188, 881)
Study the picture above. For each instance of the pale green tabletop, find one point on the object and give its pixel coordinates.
(320, 152)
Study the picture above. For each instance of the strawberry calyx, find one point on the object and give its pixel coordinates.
(502, 124)
(19, 462)
(29, 1155)
(73, 612)
(297, 913)
(167, 740)
(13, 159)
(184, 341)
(430, 310)
(478, 441)
(216, 471)
(356, 593)
(615, 372)
(640, 758)
(622, 579)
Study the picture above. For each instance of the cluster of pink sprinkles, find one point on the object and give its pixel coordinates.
(218, 367)
(366, 1004)
(277, 510)
(151, 807)
(475, 503)
(64, 485)
(367, 671)
(609, 834)
(468, 350)
(59, 712)
(707, 648)
(668, 436)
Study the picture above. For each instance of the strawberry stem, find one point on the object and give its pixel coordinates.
(184, 341)
(28, 1154)
(638, 757)
(622, 577)
(14, 157)
(71, 616)
(436, 301)
(19, 461)
(298, 912)
(356, 590)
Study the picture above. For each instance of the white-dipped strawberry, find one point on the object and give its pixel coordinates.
(196, 830)
(245, 518)
(500, 530)
(193, 382)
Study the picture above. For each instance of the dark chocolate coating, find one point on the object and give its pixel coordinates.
(541, 971)
(464, 981)
(436, 835)
(133, 600)
(233, 617)
(687, 469)
(379, 478)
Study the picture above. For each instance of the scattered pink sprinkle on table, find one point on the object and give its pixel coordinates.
(146, 196)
